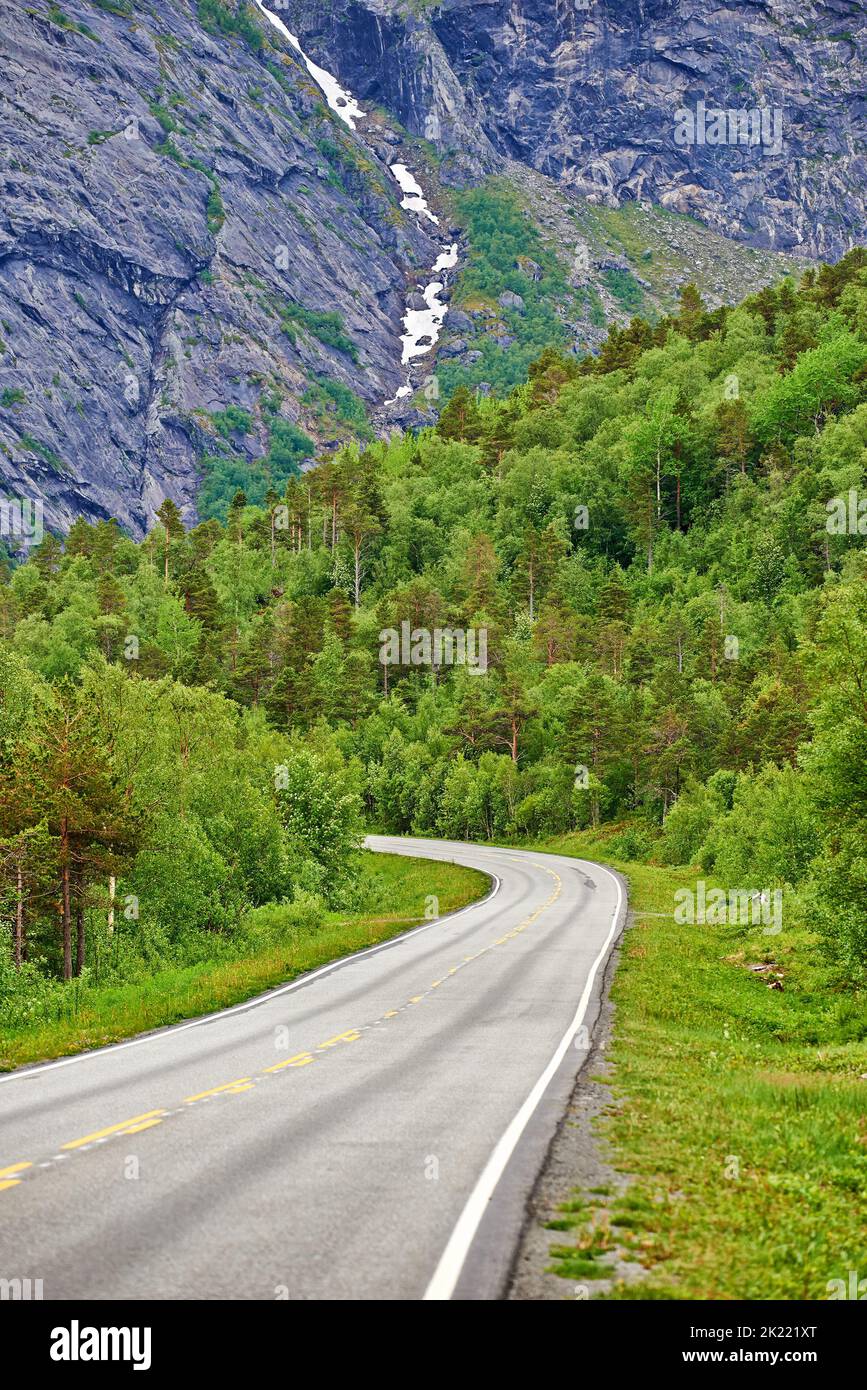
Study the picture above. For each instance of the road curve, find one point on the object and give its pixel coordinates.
(371, 1130)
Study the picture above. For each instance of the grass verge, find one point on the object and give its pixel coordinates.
(395, 892)
(739, 1115)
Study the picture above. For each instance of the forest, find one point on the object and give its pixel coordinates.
(664, 545)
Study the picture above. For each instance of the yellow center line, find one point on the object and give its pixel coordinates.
(300, 1059)
(351, 1035)
(14, 1168)
(6, 1172)
(113, 1129)
(216, 1090)
(146, 1124)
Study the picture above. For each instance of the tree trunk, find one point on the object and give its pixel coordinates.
(65, 914)
(79, 921)
(658, 482)
(19, 915)
(112, 884)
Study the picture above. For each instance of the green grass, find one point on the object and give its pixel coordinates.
(740, 1117)
(123, 8)
(47, 454)
(240, 22)
(328, 327)
(500, 237)
(395, 892)
(333, 402)
(57, 16)
(625, 289)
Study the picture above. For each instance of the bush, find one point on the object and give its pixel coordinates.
(688, 823)
(631, 843)
(321, 813)
(26, 995)
(218, 18)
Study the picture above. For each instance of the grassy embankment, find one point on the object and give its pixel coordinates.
(740, 1111)
(394, 889)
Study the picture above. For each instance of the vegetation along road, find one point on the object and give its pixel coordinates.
(372, 1128)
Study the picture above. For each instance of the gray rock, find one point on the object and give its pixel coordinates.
(531, 93)
(509, 300)
(529, 267)
(131, 311)
(460, 321)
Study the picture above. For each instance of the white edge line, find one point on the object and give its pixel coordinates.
(22, 1073)
(453, 1258)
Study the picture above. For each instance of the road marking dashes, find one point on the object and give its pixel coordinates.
(151, 1118)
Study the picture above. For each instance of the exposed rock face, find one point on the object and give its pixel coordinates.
(587, 91)
(185, 226)
(173, 201)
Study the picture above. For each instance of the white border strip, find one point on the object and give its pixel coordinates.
(448, 1271)
(22, 1073)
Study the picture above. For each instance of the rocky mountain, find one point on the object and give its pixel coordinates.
(220, 246)
(598, 94)
(185, 227)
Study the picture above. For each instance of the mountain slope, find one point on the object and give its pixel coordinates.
(184, 224)
(207, 260)
(588, 92)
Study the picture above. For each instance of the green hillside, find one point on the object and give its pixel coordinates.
(669, 627)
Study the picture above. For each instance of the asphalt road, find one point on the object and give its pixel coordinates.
(372, 1130)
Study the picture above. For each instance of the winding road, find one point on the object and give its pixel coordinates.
(370, 1131)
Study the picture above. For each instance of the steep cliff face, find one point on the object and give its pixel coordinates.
(206, 259)
(184, 227)
(588, 91)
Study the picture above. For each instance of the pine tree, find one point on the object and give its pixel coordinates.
(69, 788)
(461, 419)
(173, 527)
